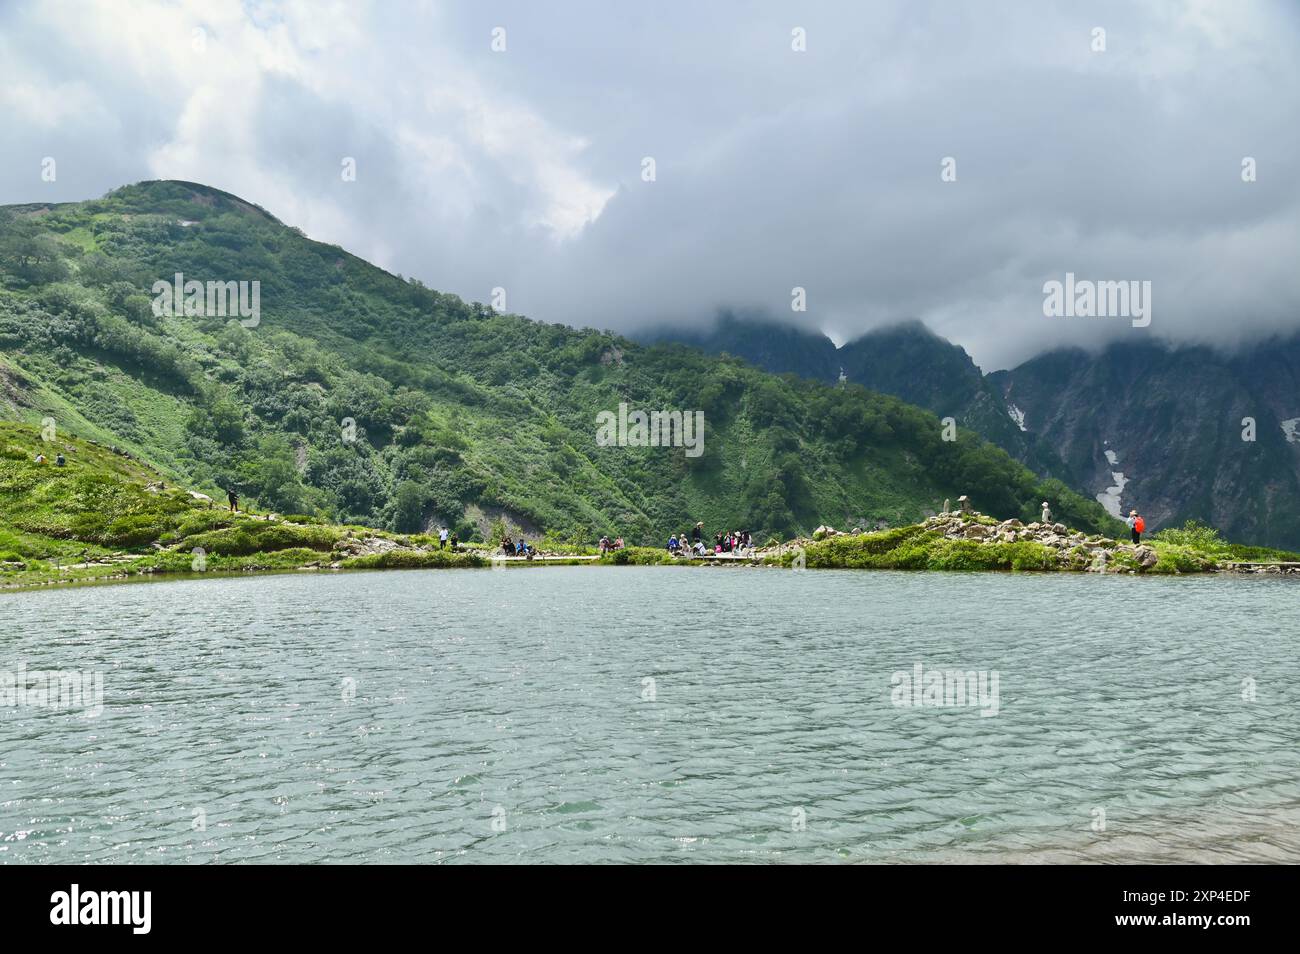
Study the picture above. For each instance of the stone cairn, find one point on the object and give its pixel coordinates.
(1076, 550)
(1094, 553)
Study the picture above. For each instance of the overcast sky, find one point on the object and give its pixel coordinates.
(774, 168)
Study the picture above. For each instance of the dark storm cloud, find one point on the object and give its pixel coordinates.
(775, 168)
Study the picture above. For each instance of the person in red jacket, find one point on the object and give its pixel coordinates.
(1136, 525)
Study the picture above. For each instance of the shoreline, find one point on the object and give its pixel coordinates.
(767, 561)
(107, 518)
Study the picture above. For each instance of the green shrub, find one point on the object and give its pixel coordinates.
(263, 537)
(414, 559)
(1180, 559)
(1028, 555)
(1248, 554)
(638, 556)
(134, 531)
(198, 521)
(1193, 533)
(303, 518)
(967, 555)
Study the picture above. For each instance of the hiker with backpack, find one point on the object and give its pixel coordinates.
(1136, 526)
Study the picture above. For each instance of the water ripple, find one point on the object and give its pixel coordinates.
(658, 714)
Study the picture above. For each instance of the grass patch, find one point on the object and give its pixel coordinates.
(414, 559)
(638, 556)
(256, 536)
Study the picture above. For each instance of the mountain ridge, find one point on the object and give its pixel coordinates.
(1172, 415)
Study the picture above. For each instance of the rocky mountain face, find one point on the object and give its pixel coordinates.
(1185, 433)
(1164, 430)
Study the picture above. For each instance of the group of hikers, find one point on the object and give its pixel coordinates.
(606, 545)
(692, 544)
(59, 460)
(519, 548)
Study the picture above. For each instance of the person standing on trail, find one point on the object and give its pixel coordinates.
(233, 498)
(442, 539)
(1047, 513)
(1136, 525)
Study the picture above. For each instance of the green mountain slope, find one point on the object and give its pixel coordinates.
(905, 359)
(366, 398)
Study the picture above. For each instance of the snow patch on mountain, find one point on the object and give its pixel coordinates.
(1109, 498)
(1291, 429)
(1018, 416)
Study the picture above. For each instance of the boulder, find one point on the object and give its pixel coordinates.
(1146, 557)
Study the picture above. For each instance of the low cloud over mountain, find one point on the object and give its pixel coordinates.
(522, 167)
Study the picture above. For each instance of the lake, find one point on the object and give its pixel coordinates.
(657, 714)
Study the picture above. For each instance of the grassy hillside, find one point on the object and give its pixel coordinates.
(104, 515)
(365, 398)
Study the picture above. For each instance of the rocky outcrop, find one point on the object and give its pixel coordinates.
(352, 546)
(1268, 569)
(1075, 550)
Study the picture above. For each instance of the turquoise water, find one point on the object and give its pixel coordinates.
(506, 716)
